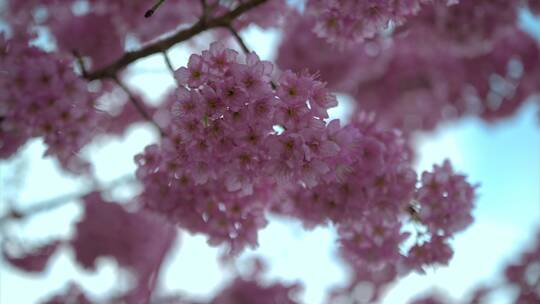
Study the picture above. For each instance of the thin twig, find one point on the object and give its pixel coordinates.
(238, 39)
(57, 202)
(200, 26)
(80, 62)
(168, 63)
(204, 8)
(153, 9)
(140, 108)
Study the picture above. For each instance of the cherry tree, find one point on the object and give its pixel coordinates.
(240, 138)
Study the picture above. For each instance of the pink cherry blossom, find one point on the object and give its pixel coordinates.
(72, 294)
(241, 139)
(34, 260)
(107, 229)
(45, 98)
(445, 200)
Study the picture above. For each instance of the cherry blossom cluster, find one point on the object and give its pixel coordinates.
(231, 131)
(444, 201)
(468, 28)
(442, 207)
(444, 63)
(369, 203)
(520, 281)
(376, 202)
(301, 49)
(434, 297)
(436, 73)
(240, 141)
(29, 260)
(72, 294)
(138, 241)
(524, 274)
(243, 291)
(103, 43)
(108, 229)
(242, 144)
(348, 21)
(43, 97)
(367, 285)
(374, 180)
(209, 208)
(251, 289)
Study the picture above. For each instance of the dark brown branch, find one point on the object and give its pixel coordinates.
(204, 7)
(153, 9)
(238, 39)
(60, 201)
(200, 26)
(80, 62)
(140, 108)
(168, 63)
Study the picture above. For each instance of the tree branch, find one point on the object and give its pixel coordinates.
(204, 8)
(168, 63)
(200, 26)
(238, 39)
(80, 62)
(140, 108)
(153, 9)
(60, 201)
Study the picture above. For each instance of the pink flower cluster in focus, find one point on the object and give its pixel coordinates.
(243, 143)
